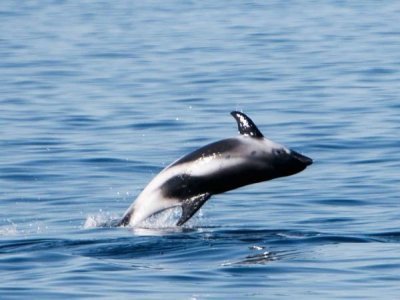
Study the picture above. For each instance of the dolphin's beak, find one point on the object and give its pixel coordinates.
(301, 158)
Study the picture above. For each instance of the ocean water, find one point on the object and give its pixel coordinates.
(96, 97)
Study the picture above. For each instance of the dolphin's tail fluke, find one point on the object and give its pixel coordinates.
(125, 219)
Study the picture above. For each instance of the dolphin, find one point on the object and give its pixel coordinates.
(213, 169)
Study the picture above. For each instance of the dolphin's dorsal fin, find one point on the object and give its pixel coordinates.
(191, 206)
(245, 125)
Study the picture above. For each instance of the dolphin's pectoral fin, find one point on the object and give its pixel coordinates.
(246, 126)
(191, 206)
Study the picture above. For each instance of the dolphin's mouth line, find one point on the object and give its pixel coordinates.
(302, 158)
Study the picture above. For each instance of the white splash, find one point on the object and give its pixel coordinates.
(102, 219)
(164, 223)
(160, 222)
(9, 230)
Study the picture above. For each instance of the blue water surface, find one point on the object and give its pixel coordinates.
(96, 97)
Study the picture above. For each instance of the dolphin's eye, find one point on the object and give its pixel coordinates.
(278, 151)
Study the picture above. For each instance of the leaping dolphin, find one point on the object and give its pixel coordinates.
(213, 169)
